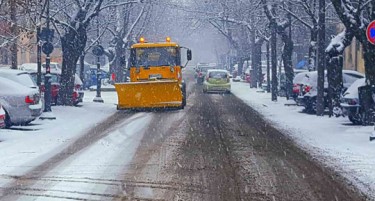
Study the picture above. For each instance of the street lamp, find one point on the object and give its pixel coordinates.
(47, 49)
(98, 51)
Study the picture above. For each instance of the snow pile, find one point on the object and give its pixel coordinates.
(334, 141)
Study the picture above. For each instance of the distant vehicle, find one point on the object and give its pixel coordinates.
(237, 79)
(202, 71)
(308, 100)
(2, 117)
(197, 68)
(20, 103)
(55, 86)
(350, 102)
(21, 77)
(217, 81)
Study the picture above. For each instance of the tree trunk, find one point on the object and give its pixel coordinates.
(258, 62)
(369, 57)
(274, 61)
(335, 82)
(72, 47)
(288, 66)
(312, 49)
(268, 68)
(240, 65)
(254, 70)
(321, 59)
(82, 68)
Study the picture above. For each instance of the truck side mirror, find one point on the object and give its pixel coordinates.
(189, 55)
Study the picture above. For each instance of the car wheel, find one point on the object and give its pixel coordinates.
(8, 122)
(354, 120)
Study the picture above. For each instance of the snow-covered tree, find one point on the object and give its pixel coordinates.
(72, 18)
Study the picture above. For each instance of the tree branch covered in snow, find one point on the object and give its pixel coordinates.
(339, 43)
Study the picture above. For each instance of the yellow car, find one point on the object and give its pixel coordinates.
(217, 81)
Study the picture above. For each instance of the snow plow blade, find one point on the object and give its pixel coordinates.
(154, 94)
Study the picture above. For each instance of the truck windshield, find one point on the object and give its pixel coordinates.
(159, 56)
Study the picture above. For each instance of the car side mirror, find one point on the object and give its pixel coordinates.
(189, 55)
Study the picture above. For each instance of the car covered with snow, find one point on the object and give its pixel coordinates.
(310, 83)
(19, 76)
(298, 84)
(350, 102)
(20, 103)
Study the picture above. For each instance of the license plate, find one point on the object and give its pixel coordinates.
(155, 76)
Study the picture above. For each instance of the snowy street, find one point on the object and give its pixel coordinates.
(217, 148)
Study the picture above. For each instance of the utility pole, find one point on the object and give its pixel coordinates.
(98, 51)
(320, 106)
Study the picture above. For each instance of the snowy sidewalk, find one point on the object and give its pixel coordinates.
(24, 147)
(334, 141)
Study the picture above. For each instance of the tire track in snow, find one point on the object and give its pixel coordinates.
(89, 138)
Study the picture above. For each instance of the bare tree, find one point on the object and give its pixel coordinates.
(73, 19)
(281, 29)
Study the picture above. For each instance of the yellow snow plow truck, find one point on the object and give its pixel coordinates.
(155, 77)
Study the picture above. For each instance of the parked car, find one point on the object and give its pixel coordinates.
(91, 77)
(308, 100)
(19, 76)
(20, 103)
(34, 66)
(350, 102)
(2, 117)
(298, 85)
(236, 79)
(217, 80)
(55, 86)
(29, 67)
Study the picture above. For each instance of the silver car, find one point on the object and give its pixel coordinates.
(21, 104)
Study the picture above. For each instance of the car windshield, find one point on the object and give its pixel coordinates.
(161, 56)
